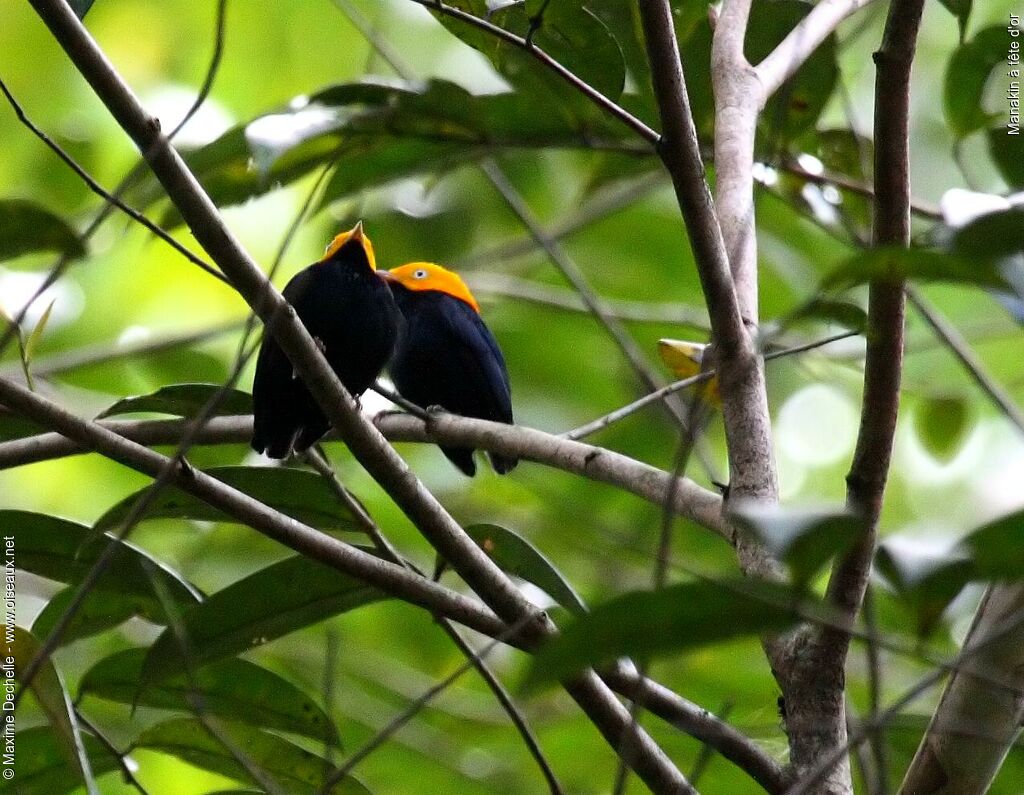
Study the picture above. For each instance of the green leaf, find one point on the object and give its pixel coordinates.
(380, 131)
(989, 239)
(942, 424)
(235, 689)
(41, 769)
(581, 42)
(296, 770)
(282, 598)
(52, 697)
(515, 555)
(966, 76)
(66, 551)
(568, 32)
(996, 549)
(913, 263)
(680, 617)
(1005, 152)
(101, 610)
(805, 540)
(302, 495)
(842, 313)
(184, 400)
(15, 427)
(926, 581)
(32, 343)
(26, 228)
(961, 9)
(81, 7)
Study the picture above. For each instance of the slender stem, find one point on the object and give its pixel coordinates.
(954, 340)
(605, 466)
(791, 53)
(319, 461)
(569, 77)
(820, 723)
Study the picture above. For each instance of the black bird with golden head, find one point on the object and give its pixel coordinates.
(346, 306)
(446, 356)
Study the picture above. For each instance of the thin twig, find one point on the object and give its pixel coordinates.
(102, 192)
(659, 313)
(961, 349)
(120, 758)
(319, 461)
(569, 77)
(413, 708)
(631, 408)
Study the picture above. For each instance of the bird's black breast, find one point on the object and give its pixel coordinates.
(350, 311)
(446, 356)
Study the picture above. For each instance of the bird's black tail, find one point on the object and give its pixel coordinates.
(503, 464)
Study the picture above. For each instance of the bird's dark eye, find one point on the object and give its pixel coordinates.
(420, 274)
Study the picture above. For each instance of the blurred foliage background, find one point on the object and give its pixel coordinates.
(957, 461)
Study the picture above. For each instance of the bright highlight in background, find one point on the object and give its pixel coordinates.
(817, 425)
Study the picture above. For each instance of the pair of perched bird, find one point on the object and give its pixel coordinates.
(421, 318)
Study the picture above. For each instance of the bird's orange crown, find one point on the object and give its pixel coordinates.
(428, 276)
(355, 233)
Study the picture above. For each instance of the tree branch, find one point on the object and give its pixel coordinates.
(976, 722)
(568, 76)
(745, 403)
(820, 723)
(649, 483)
(790, 54)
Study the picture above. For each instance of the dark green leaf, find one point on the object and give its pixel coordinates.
(580, 41)
(961, 9)
(941, 424)
(296, 770)
(990, 238)
(913, 263)
(101, 610)
(66, 551)
(927, 581)
(968, 71)
(25, 227)
(184, 400)
(41, 769)
(15, 427)
(517, 556)
(303, 495)
(648, 623)
(996, 549)
(568, 33)
(378, 132)
(81, 7)
(234, 689)
(282, 598)
(1005, 150)
(842, 313)
(53, 699)
(803, 539)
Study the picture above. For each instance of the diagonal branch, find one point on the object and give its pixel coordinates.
(745, 402)
(605, 466)
(820, 23)
(568, 76)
